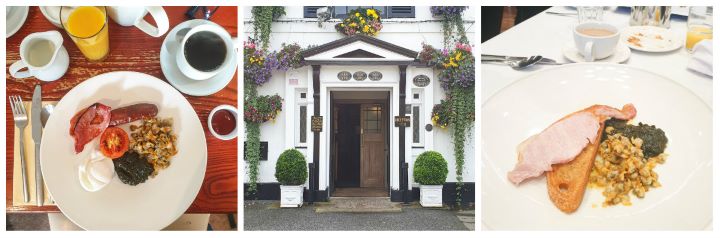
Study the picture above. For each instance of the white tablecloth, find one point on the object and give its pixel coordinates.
(546, 34)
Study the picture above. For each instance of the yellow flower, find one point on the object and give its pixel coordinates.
(357, 14)
(342, 25)
(371, 12)
(457, 56)
(362, 22)
(366, 28)
(353, 24)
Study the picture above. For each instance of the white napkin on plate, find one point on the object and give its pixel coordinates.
(702, 57)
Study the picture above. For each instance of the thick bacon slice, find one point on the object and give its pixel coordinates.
(88, 124)
(563, 140)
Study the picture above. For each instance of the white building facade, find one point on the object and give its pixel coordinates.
(340, 108)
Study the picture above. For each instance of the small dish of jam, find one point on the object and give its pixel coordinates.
(222, 122)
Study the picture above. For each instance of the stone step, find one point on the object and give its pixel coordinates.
(358, 205)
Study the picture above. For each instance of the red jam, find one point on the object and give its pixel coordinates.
(223, 122)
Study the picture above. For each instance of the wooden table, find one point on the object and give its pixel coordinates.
(132, 50)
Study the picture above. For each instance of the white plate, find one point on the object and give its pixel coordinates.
(668, 41)
(52, 14)
(14, 19)
(148, 206)
(622, 54)
(182, 82)
(531, 104)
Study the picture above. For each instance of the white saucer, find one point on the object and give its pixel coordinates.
(52, 14)
(14, 19)
(622, 54)
(187, 85)
(651, 38)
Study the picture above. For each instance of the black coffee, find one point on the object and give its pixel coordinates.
(205, 51)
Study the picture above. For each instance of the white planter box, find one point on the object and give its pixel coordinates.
(431, 195)
(291, 196)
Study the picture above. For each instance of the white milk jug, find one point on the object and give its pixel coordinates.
(43, 55)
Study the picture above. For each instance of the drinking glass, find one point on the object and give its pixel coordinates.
(592, 13)
(88, 28)
(699, 26)
(650, 16)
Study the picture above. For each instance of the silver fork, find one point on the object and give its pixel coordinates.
(21, 121)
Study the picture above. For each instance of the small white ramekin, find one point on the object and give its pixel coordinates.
(232, 110)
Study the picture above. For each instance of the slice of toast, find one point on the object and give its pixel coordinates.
(566, 182)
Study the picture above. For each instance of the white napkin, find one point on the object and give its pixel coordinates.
(702, 57)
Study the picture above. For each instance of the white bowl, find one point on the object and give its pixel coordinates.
(232, 110)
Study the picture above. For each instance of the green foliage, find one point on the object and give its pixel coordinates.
(451, 21)
(430, 168)
(252, 155)
(463, 107)
(291, 168)
(263, 16)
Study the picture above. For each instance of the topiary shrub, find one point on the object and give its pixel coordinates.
(291, 168)
(430, 168)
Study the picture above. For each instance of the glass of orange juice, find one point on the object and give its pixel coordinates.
(699, 26)
(88, 28)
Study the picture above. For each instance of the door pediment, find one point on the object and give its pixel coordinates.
(358, 48)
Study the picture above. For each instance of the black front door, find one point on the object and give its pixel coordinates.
(347, 148)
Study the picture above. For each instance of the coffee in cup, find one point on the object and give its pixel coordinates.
(204, 51)
(596, 40)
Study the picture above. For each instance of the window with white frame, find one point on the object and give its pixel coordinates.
(301, 117)
(416, 118)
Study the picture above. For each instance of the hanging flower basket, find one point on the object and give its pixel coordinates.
(365, 21)
(457, 66)
(440, 11)
(263, 108)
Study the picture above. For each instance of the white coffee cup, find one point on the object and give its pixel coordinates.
(182, 62)
(133, 16)
(596, 46)
(43, 55)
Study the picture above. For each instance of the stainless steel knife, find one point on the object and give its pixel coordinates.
(36, 121)
(495, 58)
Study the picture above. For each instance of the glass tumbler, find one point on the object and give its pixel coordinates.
(88, 28)
(699, 26)
(592, 13)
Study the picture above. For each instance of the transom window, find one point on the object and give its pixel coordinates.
(342, 11)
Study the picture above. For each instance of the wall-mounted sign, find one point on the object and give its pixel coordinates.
(344, 76)
(375, 76)
(421, 80)
(316, 123)
(360, 75)
(402, 121)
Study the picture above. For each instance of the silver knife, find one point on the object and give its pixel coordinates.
(493, 58)
(37, 136)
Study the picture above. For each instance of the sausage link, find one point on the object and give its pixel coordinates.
(132, 113)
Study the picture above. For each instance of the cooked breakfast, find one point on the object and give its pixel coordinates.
(132, 169)
(114, 142)
(132, 113)
(148, 149)
(594, 147)
(155, 141)
(88, 124)
(563, 140)
(628, 155)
